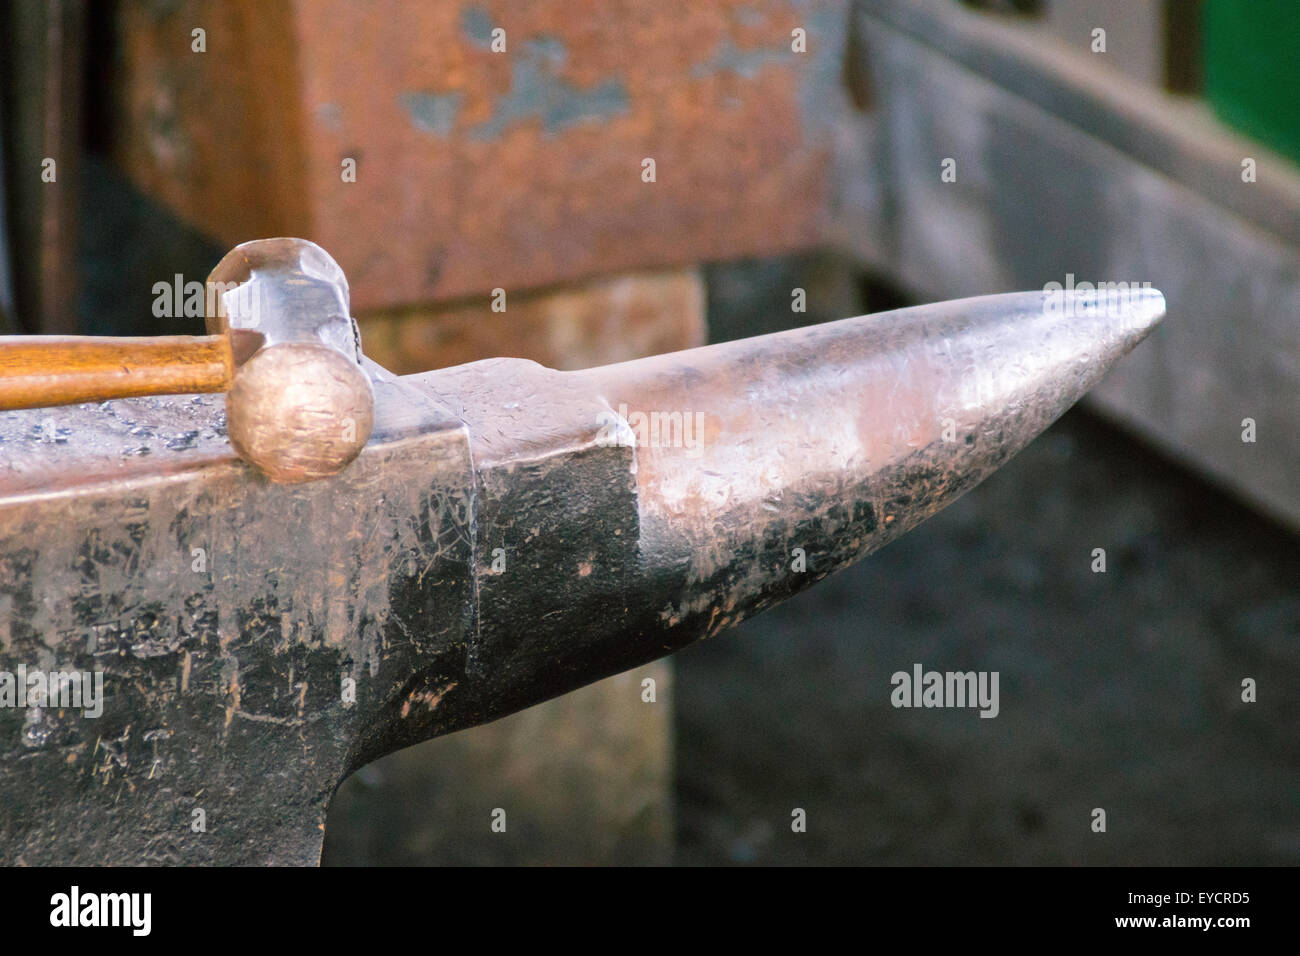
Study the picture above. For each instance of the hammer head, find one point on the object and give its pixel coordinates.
(300, 407)
(273, 291)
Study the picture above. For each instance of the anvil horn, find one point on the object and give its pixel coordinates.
(510, 533)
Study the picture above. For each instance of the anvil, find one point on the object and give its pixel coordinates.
(508, 533)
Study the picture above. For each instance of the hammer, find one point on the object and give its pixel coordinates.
(281, 343)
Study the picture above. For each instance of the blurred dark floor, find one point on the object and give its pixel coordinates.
(1119, 690)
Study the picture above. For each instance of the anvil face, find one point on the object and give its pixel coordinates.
(509, 534)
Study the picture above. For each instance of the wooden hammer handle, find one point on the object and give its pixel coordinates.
(41, 370)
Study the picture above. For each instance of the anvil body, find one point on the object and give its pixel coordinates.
(510, 533)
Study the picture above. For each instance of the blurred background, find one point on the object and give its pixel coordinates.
(640, 176)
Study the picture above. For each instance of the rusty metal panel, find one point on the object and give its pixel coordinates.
(478, 169)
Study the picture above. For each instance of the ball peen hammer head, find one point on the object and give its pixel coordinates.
(300, 406)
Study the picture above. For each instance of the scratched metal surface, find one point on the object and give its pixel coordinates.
(829, 439)
(222, 679)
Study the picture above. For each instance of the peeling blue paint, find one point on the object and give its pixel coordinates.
(548, 49)
(746, 63)
(329, 114)
(432, 112)
(538, 92)
(477, 24)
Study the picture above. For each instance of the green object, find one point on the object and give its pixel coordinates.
(1252, 68)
